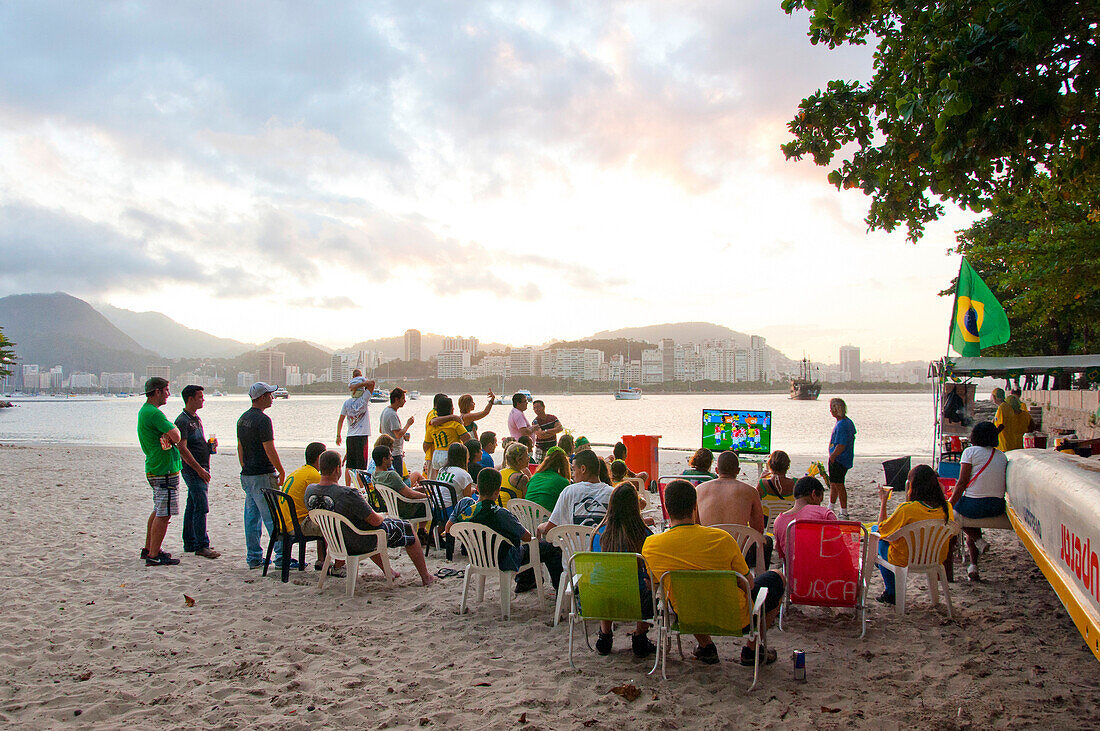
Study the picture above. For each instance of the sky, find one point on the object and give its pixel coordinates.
(517, 171)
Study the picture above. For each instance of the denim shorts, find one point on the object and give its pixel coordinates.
(976, 508)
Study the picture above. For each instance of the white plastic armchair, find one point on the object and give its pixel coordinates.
(529, 513)
(331, 525)
(746, 536)
(394, 500)
(482, 545)
(774, 506)
(570, 539)
(927, 541)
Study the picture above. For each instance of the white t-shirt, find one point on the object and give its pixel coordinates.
(357, 412)
(388, 423)
(991, 481)
(582, 503)
(457, 477)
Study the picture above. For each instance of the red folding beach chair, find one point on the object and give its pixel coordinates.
(825, 563)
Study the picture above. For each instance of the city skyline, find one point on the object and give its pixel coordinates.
(547, 170)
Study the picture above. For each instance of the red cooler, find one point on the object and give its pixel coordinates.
(641, 454)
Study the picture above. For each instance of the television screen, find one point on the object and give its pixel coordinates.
(747, 432)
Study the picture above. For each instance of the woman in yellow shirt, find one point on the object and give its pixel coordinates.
(924, 500)
(513, 480)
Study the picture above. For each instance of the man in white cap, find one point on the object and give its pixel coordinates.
(260, 468)
(357, 412)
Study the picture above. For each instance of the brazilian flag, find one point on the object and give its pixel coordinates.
(979, 321)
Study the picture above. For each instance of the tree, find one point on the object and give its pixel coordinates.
(7, 355)
(1041, 256)
(968, 100)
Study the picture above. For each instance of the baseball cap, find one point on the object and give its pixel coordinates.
(358, 381)
(259, 389)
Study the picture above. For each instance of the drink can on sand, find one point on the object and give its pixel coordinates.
(798, 661)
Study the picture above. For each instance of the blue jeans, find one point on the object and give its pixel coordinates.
(255, 512)
(887, 576)
(194, 515)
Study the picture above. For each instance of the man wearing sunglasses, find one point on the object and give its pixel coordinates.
(158, 437)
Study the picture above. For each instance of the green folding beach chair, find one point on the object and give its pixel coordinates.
(707, 603)
(605, 587)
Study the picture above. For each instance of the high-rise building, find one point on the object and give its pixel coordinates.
(849, 362)
(340, 368)
(652, 366)
(158, 371)
(451, 363)
(31, 381)
(272, 366)
(758, 359)
(668, 359)
(521, 362)
(460, 343)
(412, 345)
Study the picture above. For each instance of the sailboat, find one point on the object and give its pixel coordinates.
(627, 393)
(805, 387)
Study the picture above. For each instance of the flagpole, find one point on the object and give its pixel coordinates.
(954, 309)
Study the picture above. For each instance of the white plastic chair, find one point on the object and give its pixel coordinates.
(570, 539)
(927, 541)
(745, 536)
(330, 524)
(529, 513)
(775, 506)
(393, 501)
(482, 544)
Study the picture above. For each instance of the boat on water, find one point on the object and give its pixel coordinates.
(805, 387)
(413, 395)
(526, 393)
(378, 396)
(280, 392)
(628, 394)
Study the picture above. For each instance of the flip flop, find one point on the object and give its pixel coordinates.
(446, 573)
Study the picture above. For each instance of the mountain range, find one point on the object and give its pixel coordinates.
(59, 329)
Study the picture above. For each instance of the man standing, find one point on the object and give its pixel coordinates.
(518, 426)
(357, 411)
(548, 427)
(195, 452)
(842, 444)
(158, 438)
(390, 423)
(260, 468)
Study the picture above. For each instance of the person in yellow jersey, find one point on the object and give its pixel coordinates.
(439, 436)
(924, 500)
(1013, 418)
(686, 545)
(295, 486)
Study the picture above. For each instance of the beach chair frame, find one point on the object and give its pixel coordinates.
(332, 527)
(790, 559)
(926, 540)
(481, 543)
(570, 539)
(615, 589)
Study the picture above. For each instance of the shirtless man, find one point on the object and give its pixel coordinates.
(728, 500)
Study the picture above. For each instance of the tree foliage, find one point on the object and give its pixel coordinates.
(7, 355)
(968, 100)
(1041, 256)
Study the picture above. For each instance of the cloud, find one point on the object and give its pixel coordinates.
(326, 303)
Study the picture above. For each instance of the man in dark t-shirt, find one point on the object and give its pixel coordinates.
(514, 550)
(329, 494)
(195, 453)
(548, 428)
(260, 468)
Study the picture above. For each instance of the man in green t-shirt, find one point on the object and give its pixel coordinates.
(158, 437)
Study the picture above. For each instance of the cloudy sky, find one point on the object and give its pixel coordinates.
(518, 171)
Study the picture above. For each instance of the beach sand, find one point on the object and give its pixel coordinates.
(91, 637)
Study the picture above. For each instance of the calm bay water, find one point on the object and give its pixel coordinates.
(887, 424)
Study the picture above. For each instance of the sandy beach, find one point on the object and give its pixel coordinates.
(91, 637)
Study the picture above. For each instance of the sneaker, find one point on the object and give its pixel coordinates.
(885, 598)
(208, 552)
(255, 565)
(972, 572)
(319, 565)
(843, 515)
(603, 642)
(278, 564)
(145, 553)
(982, 545)
(708, 654)
(338, 572)
(162, 559)
(641, 645)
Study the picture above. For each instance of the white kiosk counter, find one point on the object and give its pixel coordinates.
(1054, 505)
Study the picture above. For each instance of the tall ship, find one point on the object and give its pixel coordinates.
(806, 387)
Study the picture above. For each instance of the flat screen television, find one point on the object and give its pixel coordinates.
(745, 432)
